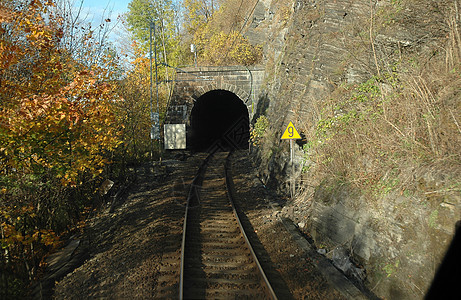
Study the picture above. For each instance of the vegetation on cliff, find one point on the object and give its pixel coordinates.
(374, 86)
(217, 32)
(406, 114)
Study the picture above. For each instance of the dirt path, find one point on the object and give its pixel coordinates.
(134, 251)
(127, 246)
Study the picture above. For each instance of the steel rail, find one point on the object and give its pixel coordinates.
(230, 194)
(193, 192)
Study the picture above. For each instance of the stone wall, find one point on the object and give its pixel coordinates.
(191, 83)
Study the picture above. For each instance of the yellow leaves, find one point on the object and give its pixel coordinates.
(36, 4)
(6, 14)
(14, 233)
(233, 48)
(61, 120)
(57, 125)
(65, 131)
(36, 235)
(49, 238)
(67, 182)
(12, 236)
(61, 116)
(50, 3)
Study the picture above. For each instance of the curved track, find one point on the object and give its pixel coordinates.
(217, 260)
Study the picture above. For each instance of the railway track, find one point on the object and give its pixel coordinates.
(217, 260)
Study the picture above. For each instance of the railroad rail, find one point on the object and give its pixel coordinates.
(217, 259)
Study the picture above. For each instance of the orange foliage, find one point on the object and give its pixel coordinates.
(56, 116)
(58, 124)
(135, 108)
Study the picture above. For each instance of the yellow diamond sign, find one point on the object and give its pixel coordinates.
(291, 133)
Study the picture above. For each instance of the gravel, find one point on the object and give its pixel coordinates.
(130, 246)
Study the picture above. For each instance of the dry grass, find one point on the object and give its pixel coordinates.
(368, 133)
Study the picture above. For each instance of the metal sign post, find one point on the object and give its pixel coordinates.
(291, 134)
(292, 183)
(155, 129)
(154, 117)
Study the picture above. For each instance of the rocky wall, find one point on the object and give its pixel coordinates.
(311, 48)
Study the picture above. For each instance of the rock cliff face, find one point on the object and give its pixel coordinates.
(318, 50)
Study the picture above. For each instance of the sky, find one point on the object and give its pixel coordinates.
(97, 7)
(96, 11)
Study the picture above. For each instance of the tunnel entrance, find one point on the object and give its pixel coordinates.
(219, 121)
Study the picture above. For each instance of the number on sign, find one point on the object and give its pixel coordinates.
(290, 131)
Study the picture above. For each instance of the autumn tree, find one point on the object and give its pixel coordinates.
(221, 30)
(58, 126)
(83, 40)
(134, 89)
(198, 13)
(146, 17)
(235, 49)
(161, 14)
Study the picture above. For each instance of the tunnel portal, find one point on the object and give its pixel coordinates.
(219, 121)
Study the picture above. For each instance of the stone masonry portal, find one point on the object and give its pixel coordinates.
(216, 104)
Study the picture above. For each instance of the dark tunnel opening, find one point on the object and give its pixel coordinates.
(219, 121)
